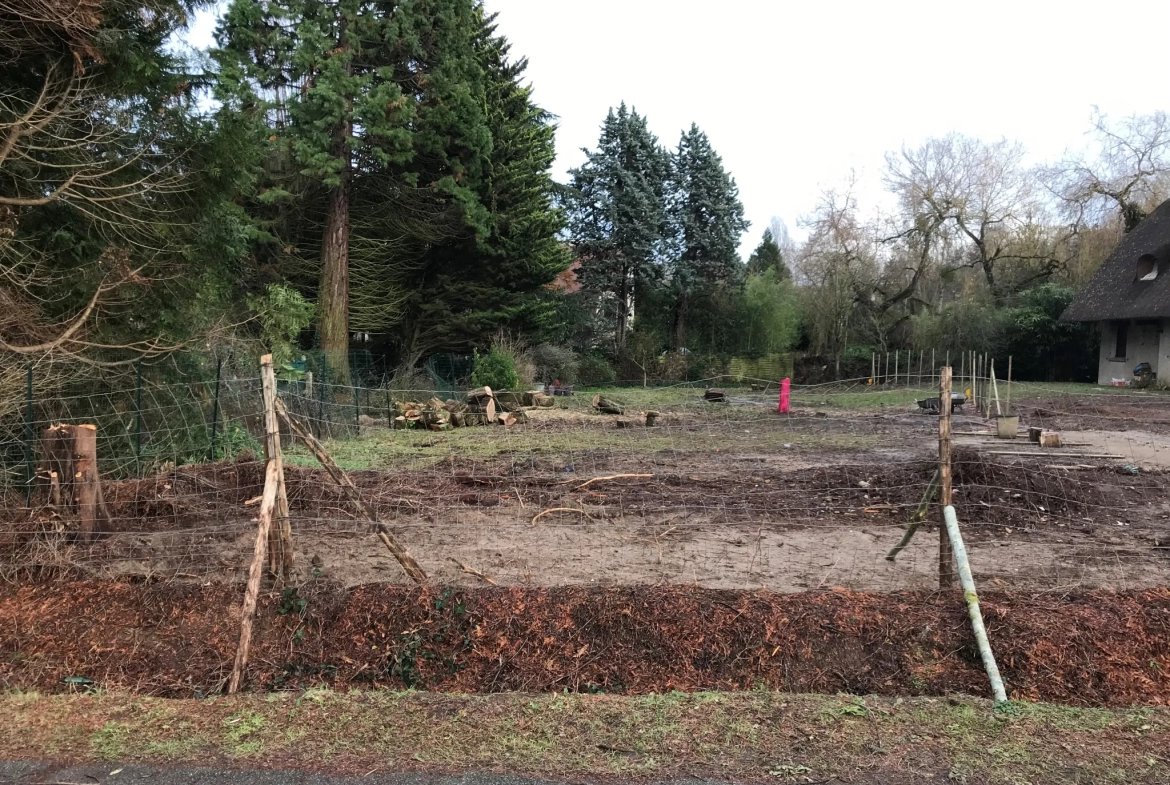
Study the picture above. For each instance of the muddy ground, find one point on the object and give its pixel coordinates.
(731, 498)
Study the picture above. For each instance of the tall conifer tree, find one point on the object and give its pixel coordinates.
(768, 256)
(617, 214)
(346, 88)
(708, 220)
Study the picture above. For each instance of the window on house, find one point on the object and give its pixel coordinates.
(1120, 347)
(1147, 268)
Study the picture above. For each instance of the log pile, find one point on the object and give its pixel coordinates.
(480, 406)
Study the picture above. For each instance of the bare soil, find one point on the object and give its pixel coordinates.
(763, 513)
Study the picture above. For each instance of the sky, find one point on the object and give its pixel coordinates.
(796, 95)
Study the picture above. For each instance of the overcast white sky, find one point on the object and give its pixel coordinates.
(795, 94)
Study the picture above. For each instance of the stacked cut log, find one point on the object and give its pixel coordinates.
(480, 406)
(607, 405)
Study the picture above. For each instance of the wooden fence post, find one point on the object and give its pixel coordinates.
(255, 571)
(945, 556)
(280, 546)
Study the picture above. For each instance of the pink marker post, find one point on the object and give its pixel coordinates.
(785, 385)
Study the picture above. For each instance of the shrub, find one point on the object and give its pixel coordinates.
(282, 312)
(596, 370)
(555, 362)
(496, 369)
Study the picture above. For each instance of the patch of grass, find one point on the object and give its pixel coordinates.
(755, 735)
(109, 742)
(383, 449)
(242, 734)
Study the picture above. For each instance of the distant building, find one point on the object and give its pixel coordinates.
(1129, 298)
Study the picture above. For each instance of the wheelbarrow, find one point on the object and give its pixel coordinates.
(931, 404)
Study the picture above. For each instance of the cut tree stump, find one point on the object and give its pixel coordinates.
(1050, 439)
(507, 419)
(543, 401)
(607, 405)
(715, 395)
(651, 419)
(71, 455)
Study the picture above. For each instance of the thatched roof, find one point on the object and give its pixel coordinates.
(1117, 290)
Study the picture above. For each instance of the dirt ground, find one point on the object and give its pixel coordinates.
(731, 497)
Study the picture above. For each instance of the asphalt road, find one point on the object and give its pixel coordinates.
(43, 773)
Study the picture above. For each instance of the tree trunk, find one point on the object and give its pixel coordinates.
(680, 322)
(333, 294)
(623, 314)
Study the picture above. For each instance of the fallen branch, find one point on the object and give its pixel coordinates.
(559, 509)
(916, 519)
(472, 571)
(355, 498)
(614, 477)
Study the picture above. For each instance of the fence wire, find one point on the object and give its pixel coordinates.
(726, 494)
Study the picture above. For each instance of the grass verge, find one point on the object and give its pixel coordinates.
(738, 736)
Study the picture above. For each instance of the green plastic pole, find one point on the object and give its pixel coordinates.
(215, 407)
(28, 442)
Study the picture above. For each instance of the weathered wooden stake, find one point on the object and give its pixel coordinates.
(1007, 406)
(281, 555)
(355, 498)
(255, 572)
(896, 353)
(994, 391)
(946, 574)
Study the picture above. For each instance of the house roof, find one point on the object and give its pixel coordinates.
(1116, 290)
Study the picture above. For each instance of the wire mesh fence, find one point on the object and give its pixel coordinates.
(724, 493)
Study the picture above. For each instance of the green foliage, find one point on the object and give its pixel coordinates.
(496, 369)
(1041, 345)
(555, 362)
(595, 369)
(771, 313)
(970, 324)
(767, 256)
(283, 313)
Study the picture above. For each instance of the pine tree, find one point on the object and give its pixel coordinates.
(617, 214)
(708, 220)
(768, 256)
(352, 89)
(471, 286)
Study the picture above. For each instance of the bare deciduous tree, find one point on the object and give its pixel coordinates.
(836, 262)
(975, 200)
(1129, 175)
